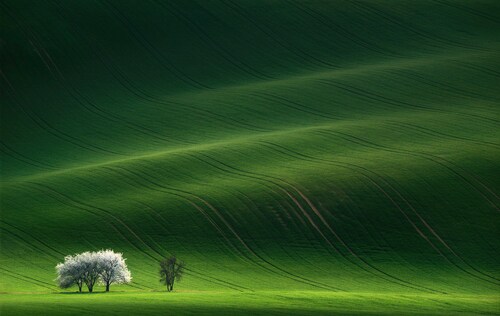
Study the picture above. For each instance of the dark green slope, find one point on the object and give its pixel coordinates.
(326, 145)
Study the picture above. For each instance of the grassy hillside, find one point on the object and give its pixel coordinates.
(298, 155)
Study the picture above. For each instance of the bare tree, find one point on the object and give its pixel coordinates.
(112, 268)
(171, 270)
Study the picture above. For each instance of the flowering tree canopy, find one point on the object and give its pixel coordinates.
(104, 266)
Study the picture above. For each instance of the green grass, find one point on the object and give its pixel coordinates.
(249, 303)
(300, 156)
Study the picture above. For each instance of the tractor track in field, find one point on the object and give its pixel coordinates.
(182, 193)
(170, 67)
(338, 29)
(245, 245)
(433, 232)
(25, 278)
(440, 86)
(365, 94)
(4, 148)
(292, 104)
(315, 225)
(284, 144)
(38, 240)
(96, 110)
(433, 158)
(303, 56)
(437, 134)
(136, 91)
(469, 10)
(208, 40)
(98, 211)
(413, 29)
(421, 219)
(37, 119)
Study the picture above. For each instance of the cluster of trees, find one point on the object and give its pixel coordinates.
(105, 267)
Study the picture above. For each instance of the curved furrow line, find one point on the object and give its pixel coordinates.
(28, 279)
(379, 98)
(142, 95)
(406, 283)
(338, 163)
(5, 149)
(430, 132)
(265, 183)
(441, 240)
(295, 255)
(90, 208)
(430, 157)
(311, 221)
(306, 238)
(156, 187)
(91, 107)
(164, 222)
(351, 251)
(338, 29)
(239, 253)
(460, 92)
(153, 51)
(303, 56)
(207, 39)
(28, 244)
(355, 215)
(240, 239)
(287, 274)
(389, 197)
(113, 69)
(96, 211)
(456, 5)
(43, 124)
(300, 228)
(435, 133)
(293, 105)
(488, 71)
(120, 119)
(32, 237)
(406, 26)
(350, 167)
(203, 212)
(66, 200)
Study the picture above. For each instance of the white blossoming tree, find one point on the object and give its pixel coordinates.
(112, 268)
(69, 273)
(105, 267)
(90, 267)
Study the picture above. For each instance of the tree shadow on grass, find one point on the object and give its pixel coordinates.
(87, 293)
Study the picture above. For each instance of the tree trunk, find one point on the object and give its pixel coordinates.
(79, 287)
(107, 287)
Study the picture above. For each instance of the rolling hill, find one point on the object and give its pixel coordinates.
(299, 156)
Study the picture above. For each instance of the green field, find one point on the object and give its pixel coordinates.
(301, 156)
